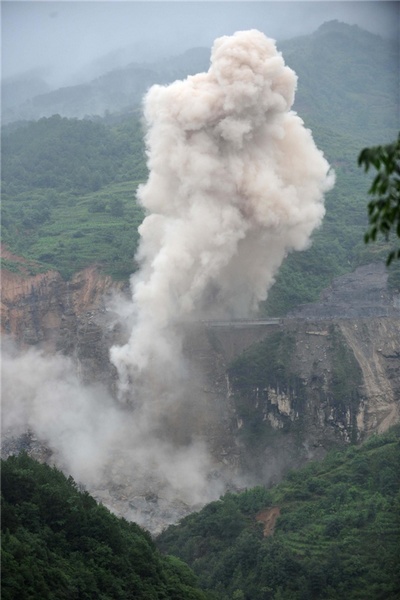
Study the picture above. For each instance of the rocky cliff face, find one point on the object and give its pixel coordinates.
(308, 386)
(273, 395)
(327, 375)
(60, 316)
(361, 294)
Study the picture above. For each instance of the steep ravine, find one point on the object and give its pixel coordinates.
(272, 395)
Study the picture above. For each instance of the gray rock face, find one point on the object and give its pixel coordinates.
(361, 294)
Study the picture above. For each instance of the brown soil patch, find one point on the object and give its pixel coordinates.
(268, 517)
(5, 253)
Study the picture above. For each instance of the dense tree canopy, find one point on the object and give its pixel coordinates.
(57, 542)
(70, 155)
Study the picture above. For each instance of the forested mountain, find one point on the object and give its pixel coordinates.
(68, 192)
(69, 185)
(116, 90)
(348, 81)
(19, 89)
(57, 542)
(331, 530)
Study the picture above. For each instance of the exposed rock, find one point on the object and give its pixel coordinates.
(65, 316)
(361, 294)
(31, 306)
(342, 385)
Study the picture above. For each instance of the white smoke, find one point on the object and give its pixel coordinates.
(43, 394)
(87, 431)
(236, 182)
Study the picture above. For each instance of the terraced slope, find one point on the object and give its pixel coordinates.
(337, 534)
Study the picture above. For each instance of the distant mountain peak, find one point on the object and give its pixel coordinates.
(333, 25)
(336, 26)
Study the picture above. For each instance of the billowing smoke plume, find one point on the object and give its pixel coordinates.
(236, 182)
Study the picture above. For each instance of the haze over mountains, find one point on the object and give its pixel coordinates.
(113, 90)
(346, 75)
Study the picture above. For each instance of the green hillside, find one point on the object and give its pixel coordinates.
(337, 536)
(349, 95)
(328, 531)
(68, 185)
(348, 81)
(58, 543)
(68, 192)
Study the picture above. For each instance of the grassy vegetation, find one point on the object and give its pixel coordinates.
(22, 268)
(68, 214)
(338, 534)
(94, 228)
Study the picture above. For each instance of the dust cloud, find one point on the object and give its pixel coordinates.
(236, 183)
(95, 439)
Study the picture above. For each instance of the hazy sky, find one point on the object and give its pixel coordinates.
(64, 37)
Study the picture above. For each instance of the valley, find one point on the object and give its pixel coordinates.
(271, 395)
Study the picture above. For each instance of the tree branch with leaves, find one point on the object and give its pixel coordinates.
(384, 208)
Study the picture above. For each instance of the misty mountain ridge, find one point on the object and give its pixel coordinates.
(139, 53)
(21, 88)
(346, 74)
(119, 89)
